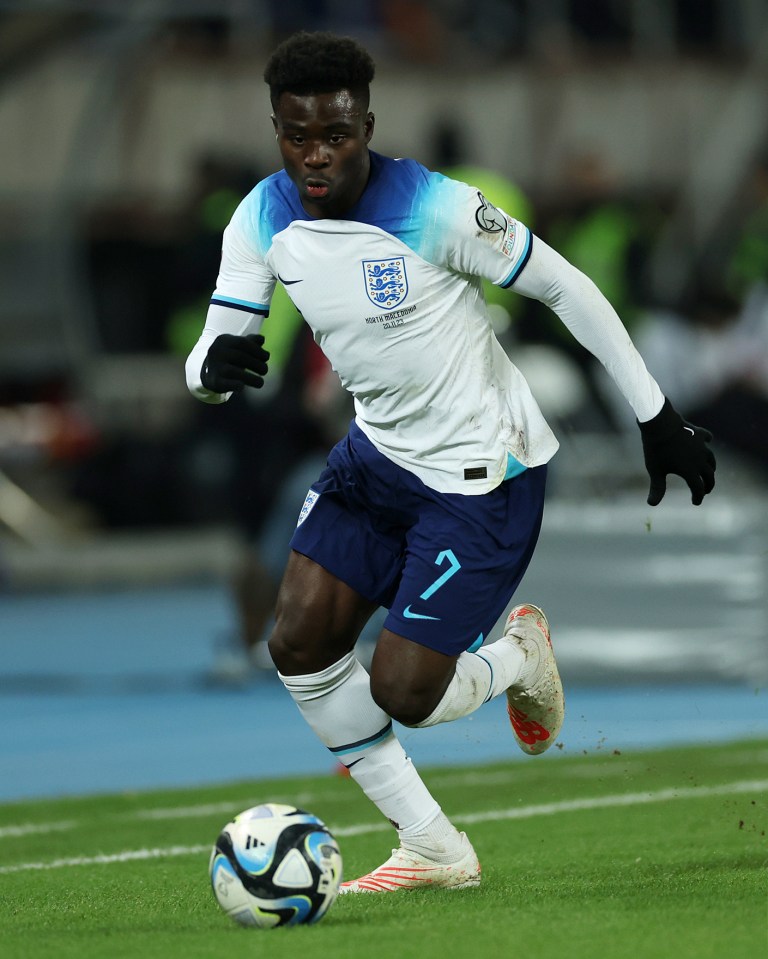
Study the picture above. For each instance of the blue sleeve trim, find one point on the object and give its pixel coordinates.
(244, 305)
(520, 263)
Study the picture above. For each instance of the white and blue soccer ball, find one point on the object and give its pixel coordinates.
(275, 865)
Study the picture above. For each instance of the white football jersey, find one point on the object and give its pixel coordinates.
(393, 295)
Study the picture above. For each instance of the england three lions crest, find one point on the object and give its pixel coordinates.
(386, 282)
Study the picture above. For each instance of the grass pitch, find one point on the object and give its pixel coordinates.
(641, 855)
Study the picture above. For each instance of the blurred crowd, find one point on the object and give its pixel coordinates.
(452, 31)
(423, 31)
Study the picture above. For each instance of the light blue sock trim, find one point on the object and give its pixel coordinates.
(363, 743)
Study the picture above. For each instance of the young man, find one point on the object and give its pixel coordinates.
(431, 505)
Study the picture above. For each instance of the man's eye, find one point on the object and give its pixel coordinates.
(337, 138)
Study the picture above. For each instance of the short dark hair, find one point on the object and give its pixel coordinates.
(309, 63)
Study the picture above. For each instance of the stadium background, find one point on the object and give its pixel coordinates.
(633, 135)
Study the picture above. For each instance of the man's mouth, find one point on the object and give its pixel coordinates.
(316, 189)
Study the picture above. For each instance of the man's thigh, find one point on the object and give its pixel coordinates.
(318, 618)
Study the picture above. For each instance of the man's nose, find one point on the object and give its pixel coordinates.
(316, 155)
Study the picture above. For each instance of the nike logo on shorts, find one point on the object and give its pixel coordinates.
(409, 615)
(287, 282)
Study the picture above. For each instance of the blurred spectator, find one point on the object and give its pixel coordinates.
(603, 232)
(607, 234)
(339, 16)
(130, 252)
(748, 264)
(417, 33)
(602, 23)
(698, 25)
(712, 362)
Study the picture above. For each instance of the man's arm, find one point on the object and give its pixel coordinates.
(230, 353)
(670, 445)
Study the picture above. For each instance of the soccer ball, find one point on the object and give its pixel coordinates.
(275, 865)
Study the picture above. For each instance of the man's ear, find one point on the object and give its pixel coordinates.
(273, 118)
(370, 122)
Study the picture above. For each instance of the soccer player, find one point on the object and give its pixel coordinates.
(432, 503)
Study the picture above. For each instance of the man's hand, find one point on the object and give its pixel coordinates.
(234, 362)
(671, 445)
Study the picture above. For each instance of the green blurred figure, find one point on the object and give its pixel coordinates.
(602, 233)
(748, 266)
(220, 188)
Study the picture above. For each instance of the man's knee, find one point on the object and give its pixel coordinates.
(289, 654)
(307, 638)
(402, 700)
(408, 680)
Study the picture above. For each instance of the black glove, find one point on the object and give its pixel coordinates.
(234, 362)
(671, 445)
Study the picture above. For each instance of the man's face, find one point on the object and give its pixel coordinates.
(323, 140)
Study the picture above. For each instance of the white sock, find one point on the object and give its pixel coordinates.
(437, 840)
(338, 705)
(478, 678)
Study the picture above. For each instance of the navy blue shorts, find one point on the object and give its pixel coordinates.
(445, 565)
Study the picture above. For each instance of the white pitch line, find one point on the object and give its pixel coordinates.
(305, 800)
(128, 855)
(30, 828)
(181, 812)
(622, 799)
(302, 800)
(521, 812)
